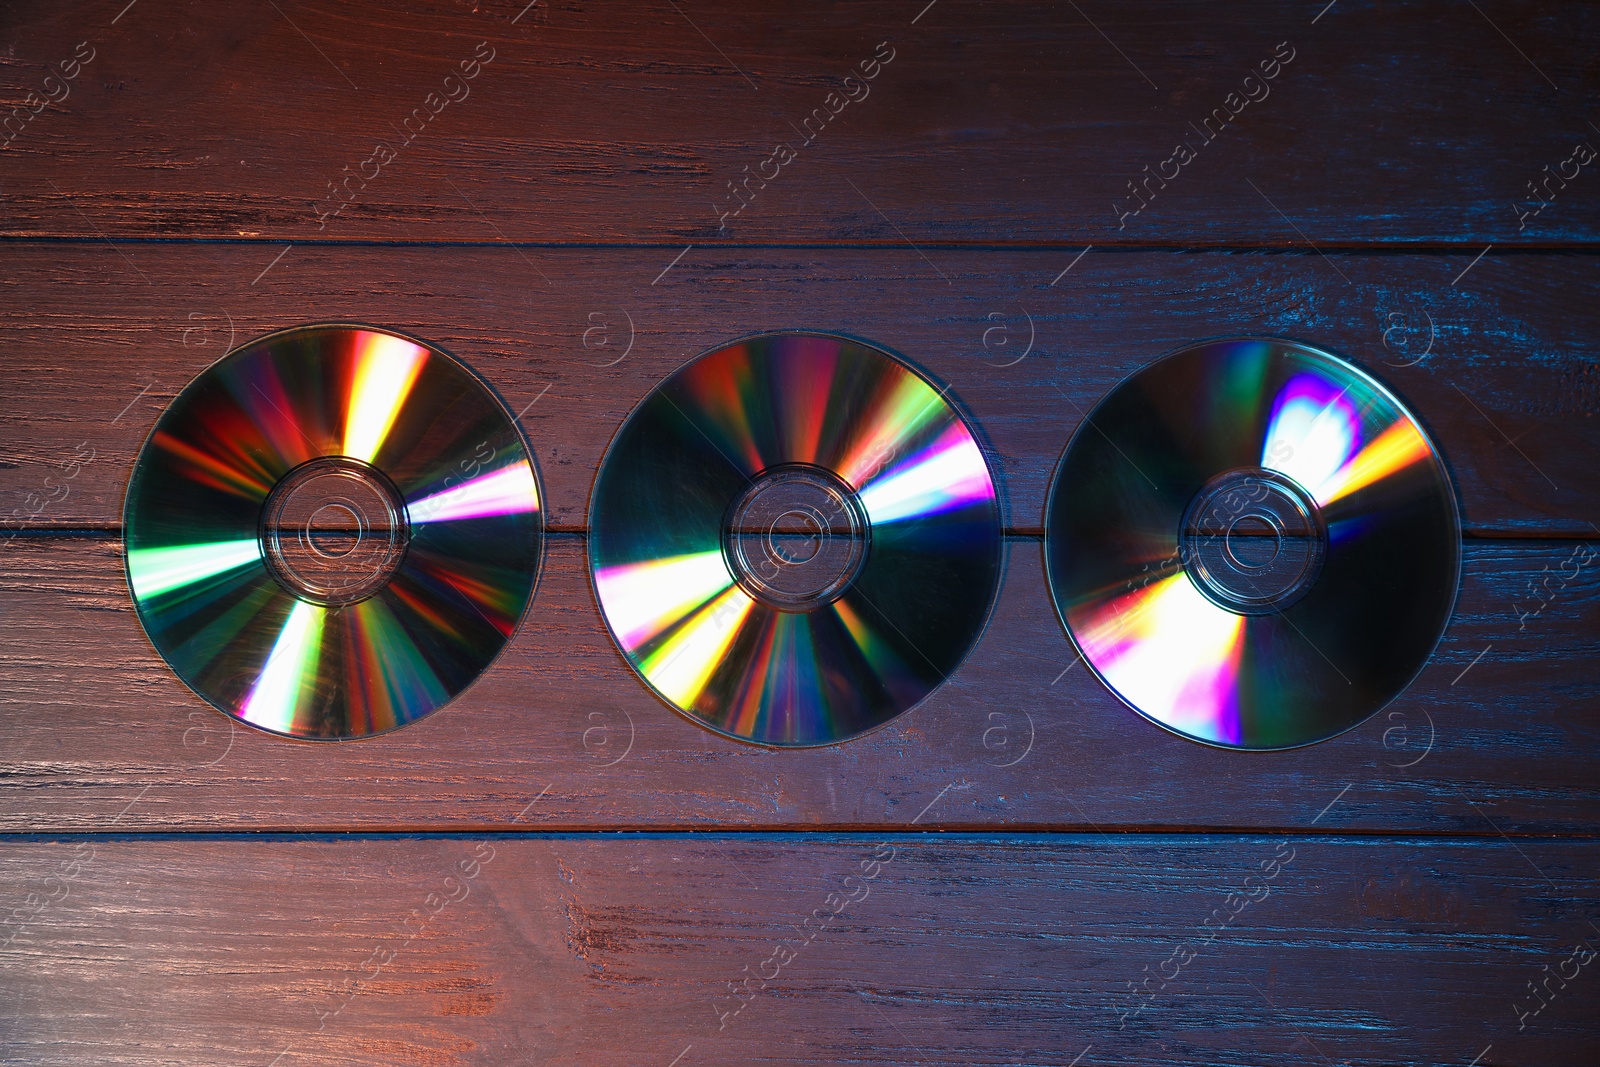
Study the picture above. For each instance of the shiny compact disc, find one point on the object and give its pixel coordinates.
(795, 538)
(332, 531)
(1253, 544)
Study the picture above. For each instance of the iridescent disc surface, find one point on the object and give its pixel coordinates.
(795, 538)
(1253, 544)
(332, 531)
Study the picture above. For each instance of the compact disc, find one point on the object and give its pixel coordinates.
(1253, 543)
(795, 538)
(332, 531)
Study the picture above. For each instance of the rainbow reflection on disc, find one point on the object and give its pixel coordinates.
(795, 538)
(332, 531)
(1253, 544)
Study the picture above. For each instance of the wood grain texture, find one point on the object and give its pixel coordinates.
(992, 123)
(962, 950)
(100, 339)
(566, 226)
(1499, 732)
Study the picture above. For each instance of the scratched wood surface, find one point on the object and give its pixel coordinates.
(545, 192)
(1419, 124)
(818, 949)
(1505, 373)
(90, 716)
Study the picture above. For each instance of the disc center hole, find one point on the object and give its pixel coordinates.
(795, 536)
(1253, 542)
(334, 530)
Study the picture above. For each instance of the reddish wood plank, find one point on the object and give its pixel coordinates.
(1000, 123)
(960, 950)
(1500, 730)
(1509, 384)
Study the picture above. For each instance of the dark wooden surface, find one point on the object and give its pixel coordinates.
(1510, 384)
(176, 890)
(92, 716)
(993, 123)
(965, 949)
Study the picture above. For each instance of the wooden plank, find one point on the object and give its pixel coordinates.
(1001, 123)
(1506, 372)
(957, 950)
(1499, 731)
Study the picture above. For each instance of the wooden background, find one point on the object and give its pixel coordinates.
(559, 870)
